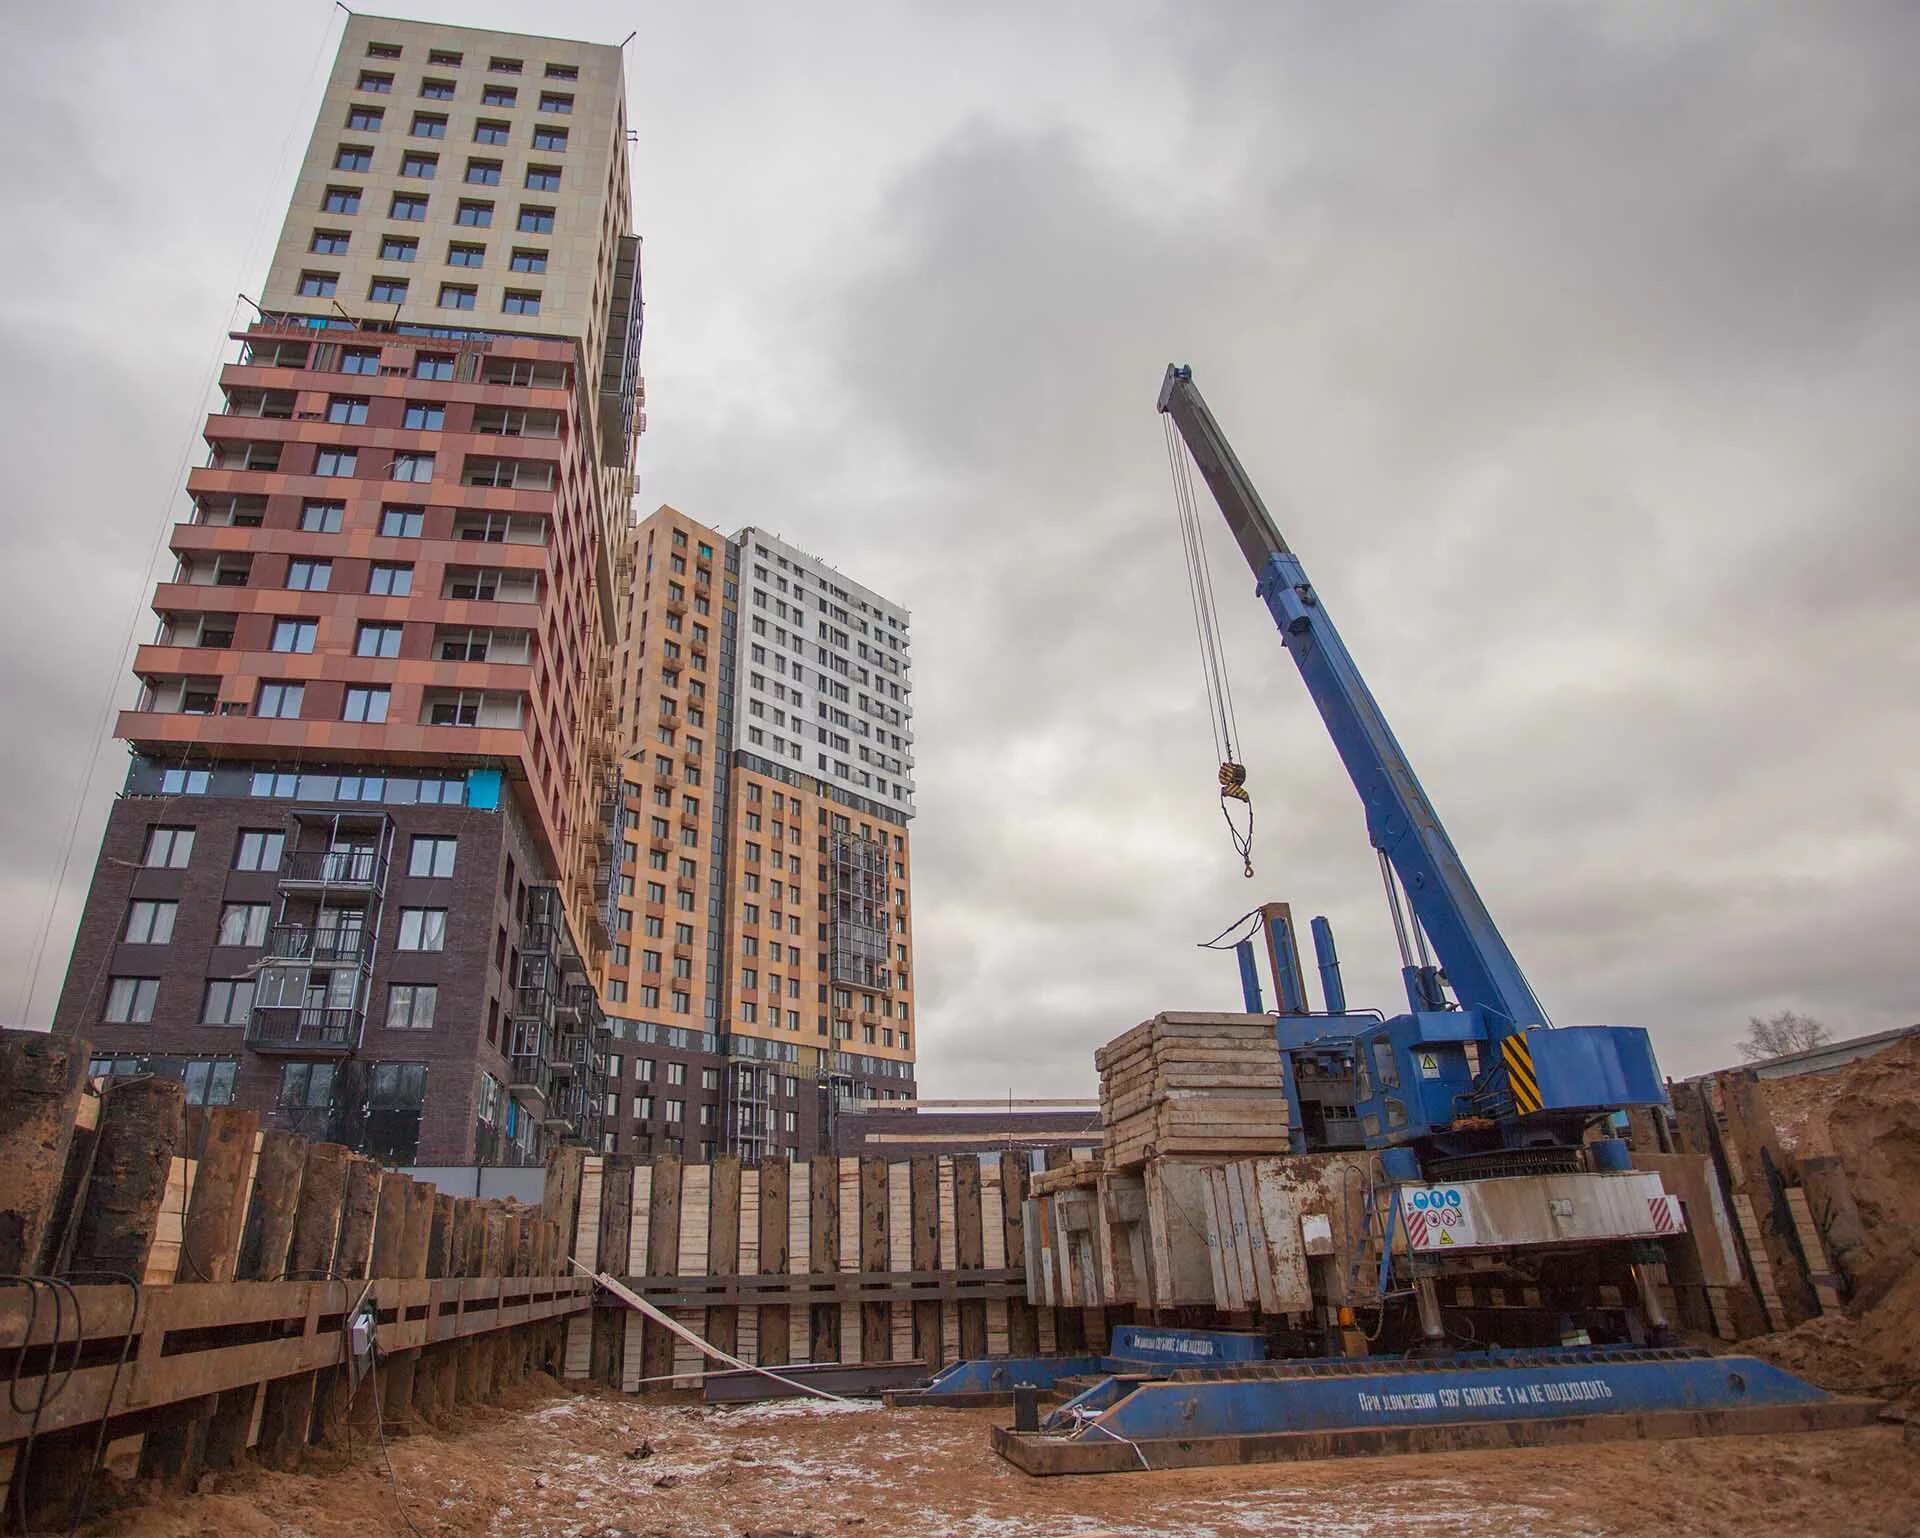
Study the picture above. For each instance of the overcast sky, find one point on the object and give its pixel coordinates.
(1575, 347)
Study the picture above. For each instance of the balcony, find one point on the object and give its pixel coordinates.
(357, 870)
(331, 947)
(298, 1028)
(532, 1072)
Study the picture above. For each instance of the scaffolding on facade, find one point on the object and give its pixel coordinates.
(857, 912)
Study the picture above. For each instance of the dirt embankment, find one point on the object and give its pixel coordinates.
(1868, 1115)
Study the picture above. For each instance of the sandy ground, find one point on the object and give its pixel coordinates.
(559, 1465)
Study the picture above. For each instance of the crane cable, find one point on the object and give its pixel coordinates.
(1213, 652)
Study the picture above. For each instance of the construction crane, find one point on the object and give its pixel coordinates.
(1473, 1083)
(1464, 1142)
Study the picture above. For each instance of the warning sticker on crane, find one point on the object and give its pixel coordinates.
(1429, 1065)
(1436, 1218)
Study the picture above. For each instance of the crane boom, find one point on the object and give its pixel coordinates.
(1401, 821)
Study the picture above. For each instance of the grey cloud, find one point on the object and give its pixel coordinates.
(1574, 347)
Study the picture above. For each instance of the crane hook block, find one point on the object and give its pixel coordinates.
(1233, 781)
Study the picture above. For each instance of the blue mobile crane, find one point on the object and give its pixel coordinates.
(1483, 1138)
(1473, 1084)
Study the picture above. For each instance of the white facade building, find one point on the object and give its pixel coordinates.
(824, 679)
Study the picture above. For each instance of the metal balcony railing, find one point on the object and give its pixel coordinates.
(301, 1028)
(531, 1072)
(333, 946)
(363, 869)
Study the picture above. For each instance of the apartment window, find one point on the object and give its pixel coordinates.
(709, 1078)
(563, 72)
(279, 701)
(413, 467)
(458, 296)
(499, 96)
(387, 291)
(390, 581)
(505, 66)
(353, 157)
(329, 242)
(150, 923)
(521, 302)
(294, 635)
(366, 704)
(377, 84)
(410, 1006)
(543, 178)
(427, 415)
(309, 576)
(243, 924)
(366, 120)
(342, 200)
(322, 517)
(483, 173)
(228, 1001)
(431, 855)
(529, 261)
(676, 1073)
(383, 50)
(676, 1110)
(399, 248)
(444, 56)
(545, 138)
(429, 125)
(437, 90)
(130, 1000)
(360, 360)
(305, 1086)
(423, 929)
(465, 256)
(259, 849)
(616, 991)
(168, 848)
(319, 285)
(407, 205)
(402, 522)
(649, 996)
(347, 410)
(642, 1107)
(555, 101)
(536, 221)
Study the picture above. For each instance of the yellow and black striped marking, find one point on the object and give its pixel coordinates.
(1518, 1057)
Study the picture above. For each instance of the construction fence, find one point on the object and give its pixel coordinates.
(830, 1260)
(181, 1286)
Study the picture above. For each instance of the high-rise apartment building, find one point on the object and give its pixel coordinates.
(362, 875)
(762, 963)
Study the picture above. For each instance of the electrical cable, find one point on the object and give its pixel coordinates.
(1251, 919)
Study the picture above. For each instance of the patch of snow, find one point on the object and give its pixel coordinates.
(792, 1409)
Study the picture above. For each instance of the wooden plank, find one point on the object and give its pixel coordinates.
(1023, 1329)
(287, 1410)
(823, 1254)
(398, 1371)
(969, 1241)
(663, 1256)
(1753, 1149)
(849, 1254)
(696, 1183)
(774, 1333)
(616, 1224)
(799, 1258)
(42, 1078)
(175, 1454)
(142, 1127)
(723, 1247)
(749, 1342)
(923, 1193)
(1068, 1327)
(876, 1243)
(279, 1166)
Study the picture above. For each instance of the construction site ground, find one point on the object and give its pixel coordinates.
(601, 1465)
